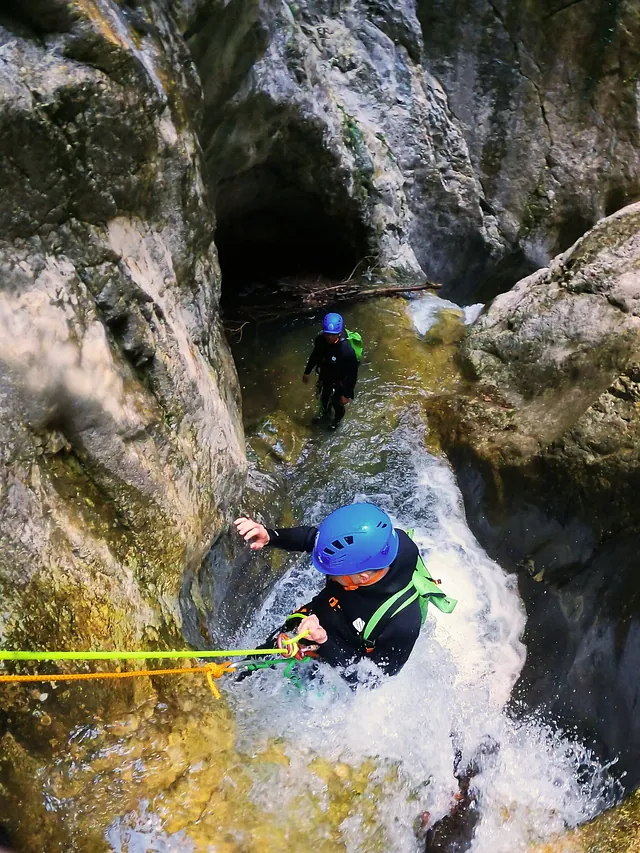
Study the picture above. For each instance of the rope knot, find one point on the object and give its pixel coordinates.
(213, 671)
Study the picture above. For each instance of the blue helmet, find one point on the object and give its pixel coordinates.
(332, 324)
(355, 538)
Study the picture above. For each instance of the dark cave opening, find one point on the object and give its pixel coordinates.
(286, 235)
(35, 18)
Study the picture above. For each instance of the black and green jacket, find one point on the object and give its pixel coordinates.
(336, 364)
(347, 616)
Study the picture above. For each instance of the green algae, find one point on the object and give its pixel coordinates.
(176, 753)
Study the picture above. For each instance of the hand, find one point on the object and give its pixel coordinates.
(305, 378)
(345, 400)
(254, 533)
(315, 629)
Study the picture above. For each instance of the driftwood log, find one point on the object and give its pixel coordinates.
(301, 295)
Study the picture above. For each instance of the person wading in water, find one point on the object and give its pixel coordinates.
(375, 598)
(337, 365)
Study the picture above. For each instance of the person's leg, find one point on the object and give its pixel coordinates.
(324, 393)
(338, 408)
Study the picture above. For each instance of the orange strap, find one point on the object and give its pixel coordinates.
(211, 670)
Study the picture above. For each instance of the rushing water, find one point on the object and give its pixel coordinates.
(451, 695)
(326, 767)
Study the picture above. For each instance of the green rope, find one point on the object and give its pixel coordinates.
(4, 655)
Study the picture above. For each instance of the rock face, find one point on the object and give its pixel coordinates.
(327, 143)
(546, 444)
(218, 598)
(465, 141)
(120, 437)
(546, 94)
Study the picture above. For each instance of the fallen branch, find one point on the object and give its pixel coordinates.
(361, 261)
(380, 291)
(311, 300)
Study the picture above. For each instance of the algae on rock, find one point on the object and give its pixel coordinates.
(122, 449)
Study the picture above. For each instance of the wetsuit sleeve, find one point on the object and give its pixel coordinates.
(395, 644)
(350, 374)
(292, 538)
(314, 358)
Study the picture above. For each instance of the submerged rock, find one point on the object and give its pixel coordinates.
(546, 446)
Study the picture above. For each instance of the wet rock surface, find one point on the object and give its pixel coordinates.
(121, 441)
(546, 450)
(545, 95)
(219, 598)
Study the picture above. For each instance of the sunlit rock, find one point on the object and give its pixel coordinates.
(121, 440)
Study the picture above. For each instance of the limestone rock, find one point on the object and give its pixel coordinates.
(325, 138)
(546, 446)
(120, 436)
(546, 95)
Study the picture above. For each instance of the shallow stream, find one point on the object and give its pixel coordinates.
(325, 768)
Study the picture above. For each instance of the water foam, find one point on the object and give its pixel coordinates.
(533, 779)
(399, 740)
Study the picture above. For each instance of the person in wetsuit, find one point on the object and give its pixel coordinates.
(366, 561)
(337, 367)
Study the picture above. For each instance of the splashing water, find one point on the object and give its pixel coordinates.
(326, 766)
(533, 779)
(425, 310)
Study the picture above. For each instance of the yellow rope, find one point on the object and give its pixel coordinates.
(210, 670)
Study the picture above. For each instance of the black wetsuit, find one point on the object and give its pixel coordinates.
(337, 367)
(337, 609)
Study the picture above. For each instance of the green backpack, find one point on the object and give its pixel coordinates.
(422, 587)
(355, 339)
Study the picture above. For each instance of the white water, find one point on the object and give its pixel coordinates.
(425, 310)
(450, 695)
(534, 781)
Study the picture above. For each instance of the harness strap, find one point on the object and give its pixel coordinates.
(384, 608)
(423, 588)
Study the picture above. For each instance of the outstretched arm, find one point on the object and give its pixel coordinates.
(258, 536)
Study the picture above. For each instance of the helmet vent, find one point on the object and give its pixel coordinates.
(329, 551)
(338, 544)
(382, 524)
(348, 540)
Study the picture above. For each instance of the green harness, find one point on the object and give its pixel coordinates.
(422, 588)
